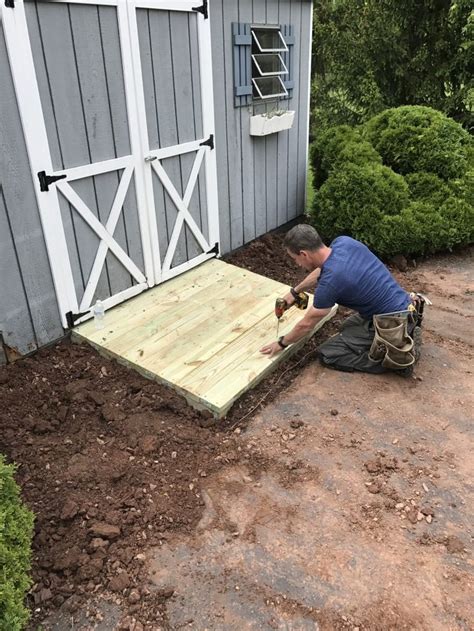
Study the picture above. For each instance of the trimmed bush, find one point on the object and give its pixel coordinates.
(417, 138)
(336, 146)
(16, 528)
(428, 187)
(424, 204)
(355, 198)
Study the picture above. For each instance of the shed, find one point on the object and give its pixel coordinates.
(138, 139)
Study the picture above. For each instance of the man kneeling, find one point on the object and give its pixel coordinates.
(381, 335)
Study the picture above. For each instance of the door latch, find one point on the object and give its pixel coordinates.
(150, 158)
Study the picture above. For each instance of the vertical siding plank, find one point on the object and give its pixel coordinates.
(303, 113)
(16, 325)
(222, 48)
(234, 171)
(295, 20)
(28, 306)
(247, 149)
(283, 140)
(271, 143)
(259, 149)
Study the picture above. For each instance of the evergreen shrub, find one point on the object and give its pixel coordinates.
(414, 138)
(403, 183)
(16, 528)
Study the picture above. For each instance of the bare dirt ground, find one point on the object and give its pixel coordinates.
(324, 501)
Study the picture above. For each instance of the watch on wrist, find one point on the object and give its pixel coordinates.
(294, 293)
(281, 344)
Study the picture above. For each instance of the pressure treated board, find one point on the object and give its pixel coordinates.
(199, 333)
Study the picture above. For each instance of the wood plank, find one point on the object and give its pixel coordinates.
(200, 333)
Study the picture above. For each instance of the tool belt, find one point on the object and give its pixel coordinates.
(392, 345)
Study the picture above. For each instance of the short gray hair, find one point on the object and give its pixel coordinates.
(302, 237)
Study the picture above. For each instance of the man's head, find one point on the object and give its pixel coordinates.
(306, 247)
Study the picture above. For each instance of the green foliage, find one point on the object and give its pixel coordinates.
(429, 209)
(376, 54)
(335, 146)
(354, 198)
(16, 527)
(412, 139)
(428, 187)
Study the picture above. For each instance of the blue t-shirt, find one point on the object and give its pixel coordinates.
(354, 277)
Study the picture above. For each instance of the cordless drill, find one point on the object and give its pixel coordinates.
(301, 302)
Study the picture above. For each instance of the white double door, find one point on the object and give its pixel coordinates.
(148, 210)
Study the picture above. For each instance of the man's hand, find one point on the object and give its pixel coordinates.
(271, 349)
(289, 299)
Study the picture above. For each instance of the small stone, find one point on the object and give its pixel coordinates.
(174, 455)
(119, 582)
(134, 596)
(237, 430)
(296, 423)
(429, 518)
(105, 531)
(454, 544)
(334, 412)
(394, 441)
(247, 478)
(98, 543)
(425, 488)
(69, 511)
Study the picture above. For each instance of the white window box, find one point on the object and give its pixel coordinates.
(271, 123)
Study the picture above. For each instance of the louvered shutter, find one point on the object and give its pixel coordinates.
(242, 39)
(287, 30)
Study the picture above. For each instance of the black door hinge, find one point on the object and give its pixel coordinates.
(203, 9)
(10, 4)
(214, 250)
(46, 180)
(208, 143)
(71, 318)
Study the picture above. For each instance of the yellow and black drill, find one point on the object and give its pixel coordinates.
(301, 302)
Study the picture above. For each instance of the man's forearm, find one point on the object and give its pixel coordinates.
(308, 283)
(299, 331)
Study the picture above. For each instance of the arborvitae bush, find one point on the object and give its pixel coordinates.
(421, 200)
(414, 138)
(355, 198)
(335, 146)
(16, 528)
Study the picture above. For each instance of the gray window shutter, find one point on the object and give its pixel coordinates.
(287, 30)
(242, 43)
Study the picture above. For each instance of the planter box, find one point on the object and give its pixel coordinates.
(264, 124)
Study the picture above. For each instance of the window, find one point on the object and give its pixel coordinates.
(263, 61)
(267, 64)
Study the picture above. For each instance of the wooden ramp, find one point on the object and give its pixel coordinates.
(199, 333)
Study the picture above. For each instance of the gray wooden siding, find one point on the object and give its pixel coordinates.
(29, 315)
(261, 181)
